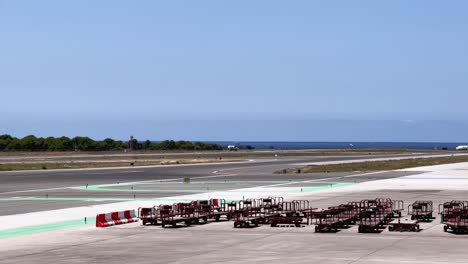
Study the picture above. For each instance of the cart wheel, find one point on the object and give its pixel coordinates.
(236, 225)
(205, 219)
(390, 228)
(217, 218)
(445, 228)
(187, 223)
(417, 228)
(144, 221)
(163, 225)
(256, 224)
(360, 229)
(273, 225)
(297, 224)
(174, 224)
(316, 229)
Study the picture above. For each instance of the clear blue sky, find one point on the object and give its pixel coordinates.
(236, 70)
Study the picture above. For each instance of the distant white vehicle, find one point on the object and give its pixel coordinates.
(232, 148)
(462, 148)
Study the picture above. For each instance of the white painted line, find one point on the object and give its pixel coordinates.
(325, 179)
(131, 167)
(37, 190)
(117, 184)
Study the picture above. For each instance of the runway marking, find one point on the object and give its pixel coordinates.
(133, 167)
(104, 173)
(84, 199)
(124, 183)
(30, 230)
(37, 190)
(174, 179)
(87, 199)
(325, 179)
(207, 190)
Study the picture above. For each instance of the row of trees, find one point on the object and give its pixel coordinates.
(32, 143)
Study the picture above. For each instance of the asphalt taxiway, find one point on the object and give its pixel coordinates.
(31, 191)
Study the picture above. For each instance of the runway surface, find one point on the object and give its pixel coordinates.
(31, 191)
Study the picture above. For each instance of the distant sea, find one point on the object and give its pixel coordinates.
(340, 145)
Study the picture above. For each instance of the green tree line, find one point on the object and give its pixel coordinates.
(32, 143)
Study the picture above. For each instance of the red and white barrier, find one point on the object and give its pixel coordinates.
(116, 218)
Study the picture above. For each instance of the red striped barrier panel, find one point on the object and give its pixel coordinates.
(116, 218)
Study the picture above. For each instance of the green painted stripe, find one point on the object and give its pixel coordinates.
(104, 189)
(324, 187)
(101, 188)
(36, 229)
(193, 181)
(13, 199)
(86, 199)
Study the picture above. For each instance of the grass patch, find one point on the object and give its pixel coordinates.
(377, 165)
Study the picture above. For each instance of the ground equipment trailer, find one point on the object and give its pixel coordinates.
(421, 210)
(359, 208)
(248, 214)
(302, 207)
(212, 209)
(197, 212)
(404, 224)
(393, 207)
(291, 213)
(230, 208)
(271, 203)
(375, 218)
(458, 222)
(345, 214)
(448, 210)
(335, 217)
(324, 220)
(220, 208)
(202, 211)
(249, 217)
(294, 208)
(254, 212)
(270, 207)
(148, 215)
(398, 208)
(171, 215)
